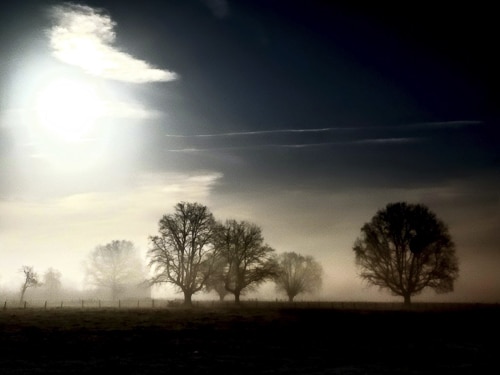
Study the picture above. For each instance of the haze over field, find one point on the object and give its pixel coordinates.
(302, 117)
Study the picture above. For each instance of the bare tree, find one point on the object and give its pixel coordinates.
(216, 280)
(52, 283)
(183, 252)
(406, 248)
(115, 266)
(298, 274)
(248, 261)
(30, 280)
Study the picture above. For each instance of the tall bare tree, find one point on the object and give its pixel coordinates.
(30, 280)
(248, 260)
(298, 274)
(405, 248)
(183, 252)
(115, 266)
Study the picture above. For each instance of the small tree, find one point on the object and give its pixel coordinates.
(248, 261)
(30, 280)
(298, 274)
(183, 253)
(115, 266)
(406, 248)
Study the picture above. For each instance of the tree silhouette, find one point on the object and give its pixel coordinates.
(406, 248)
(183, 252)
(114, 266)
(30, 280)
(248, 261)
(298, 274)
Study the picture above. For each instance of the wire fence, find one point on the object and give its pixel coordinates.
(148, 303)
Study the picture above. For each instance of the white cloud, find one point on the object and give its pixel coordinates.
(84, 37)
(116, 109)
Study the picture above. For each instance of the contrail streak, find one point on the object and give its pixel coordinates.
(332, 129)
(374, 141)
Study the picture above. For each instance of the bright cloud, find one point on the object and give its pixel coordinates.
(84, 37)
(130, 110)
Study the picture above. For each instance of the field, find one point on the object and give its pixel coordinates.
(270, 339)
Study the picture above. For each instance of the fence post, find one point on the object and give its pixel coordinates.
(119, 303)
(137, 303)
(45, 305)
(152, 303)
(61, 304)
(82, 303)
(5, 305)
(99, 303)
(25, 304)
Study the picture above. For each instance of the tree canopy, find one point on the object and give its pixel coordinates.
(405, 248)
(248, 261)
(298, 274)
(115, 266)
(183, 252)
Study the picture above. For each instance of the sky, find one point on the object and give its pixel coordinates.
(303, 117)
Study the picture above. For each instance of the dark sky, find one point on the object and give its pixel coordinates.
(304, 117)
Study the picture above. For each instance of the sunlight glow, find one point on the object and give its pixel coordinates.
(68, 109)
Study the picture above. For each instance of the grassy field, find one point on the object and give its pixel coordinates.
(250, 340)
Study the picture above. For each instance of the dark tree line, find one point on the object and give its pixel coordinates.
(404, 249)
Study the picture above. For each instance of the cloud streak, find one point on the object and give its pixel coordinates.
(423, 125)
(83, 36)
(374, 141)
(258, 132)
(384, 135)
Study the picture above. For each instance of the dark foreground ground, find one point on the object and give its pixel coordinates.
(249, 341)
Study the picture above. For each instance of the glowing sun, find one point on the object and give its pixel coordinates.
(68, 109)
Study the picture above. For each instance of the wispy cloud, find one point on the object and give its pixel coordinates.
(83, 36)
(257, 132)
(451, 124)
(373, 141)
(383, 135)
(129, 110)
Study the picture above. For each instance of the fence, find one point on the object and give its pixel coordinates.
(169, 304)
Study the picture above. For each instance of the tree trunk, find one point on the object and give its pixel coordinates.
(23, 290)
(187, 298)
(237, 297)
(290, 298)
(407, 300)
(221, 297)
